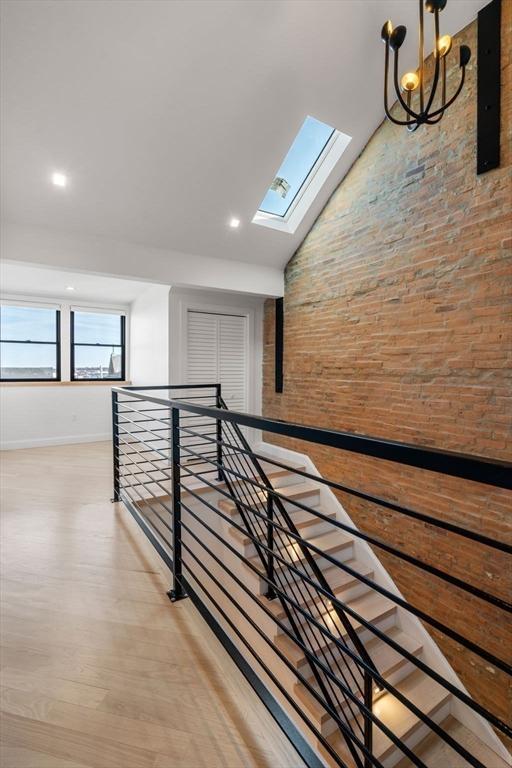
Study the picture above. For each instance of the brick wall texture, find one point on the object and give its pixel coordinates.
(398, 324)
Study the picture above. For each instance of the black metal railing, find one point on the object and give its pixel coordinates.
(237, 543)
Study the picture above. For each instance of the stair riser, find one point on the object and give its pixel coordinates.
(309, 532)
(283, 481)
(383, 623)
(348, 593)
(405, 669)
(400, 673)
(279, 481)
(310, 500)
(394, 755)
(260, 587)
(327, 724)
(352, 592)
(342, 555)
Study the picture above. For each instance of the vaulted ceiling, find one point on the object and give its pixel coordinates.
(170, 117)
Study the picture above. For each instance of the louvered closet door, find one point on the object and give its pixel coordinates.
(216, 352)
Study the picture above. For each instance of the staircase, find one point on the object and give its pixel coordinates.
(257, 538)
(426, 694)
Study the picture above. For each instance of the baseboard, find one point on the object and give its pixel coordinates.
(43, 442)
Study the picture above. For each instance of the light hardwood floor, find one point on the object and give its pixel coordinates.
(99, 669)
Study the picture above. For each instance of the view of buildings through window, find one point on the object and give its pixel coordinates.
(97, 345)
(29, 344)
(29, 338)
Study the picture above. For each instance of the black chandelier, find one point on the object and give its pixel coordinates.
(411, 81)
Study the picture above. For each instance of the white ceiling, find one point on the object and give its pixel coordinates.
(172, 116)
(27, 280)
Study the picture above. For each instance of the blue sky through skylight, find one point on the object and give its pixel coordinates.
(298, 163)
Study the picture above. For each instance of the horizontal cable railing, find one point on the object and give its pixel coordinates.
(246, 548)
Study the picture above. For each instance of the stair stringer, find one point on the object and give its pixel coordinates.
(432, 654)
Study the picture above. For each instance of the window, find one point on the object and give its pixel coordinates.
(29, 343)
(313, 154)
(97, 345)
(302, 156)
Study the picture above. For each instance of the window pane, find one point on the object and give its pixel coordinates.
(28, 323)
(98, 362)
(298, 163)
(96, 328)
(28, 361)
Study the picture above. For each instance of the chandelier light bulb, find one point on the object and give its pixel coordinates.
(444, 45)
(410, 81)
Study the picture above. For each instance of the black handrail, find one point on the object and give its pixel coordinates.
(480, 469)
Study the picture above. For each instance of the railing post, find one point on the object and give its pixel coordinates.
(218, 399)
(115, 445)
(270, 594)
(176, 592)
(368, 724)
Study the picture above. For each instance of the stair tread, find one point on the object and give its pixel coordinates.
(301, 519)
(337, 579)
(435, 752)
(196, 484)
(327, 542)
(422, 691)
(385, 658)
(295, 491)
(370, 606)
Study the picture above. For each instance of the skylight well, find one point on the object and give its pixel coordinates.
(313, 154)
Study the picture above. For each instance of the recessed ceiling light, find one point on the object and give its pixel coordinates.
(234, 223)
(59, 179)
(70, 287)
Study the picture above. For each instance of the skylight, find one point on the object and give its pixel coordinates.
(300, 160)
(316, 149)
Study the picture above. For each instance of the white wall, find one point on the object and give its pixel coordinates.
(218, 301)
(149, 337)
(57, 413)
(38, 246)
(37, 415)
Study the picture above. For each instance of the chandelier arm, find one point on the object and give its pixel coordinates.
(421, 57)
(407, 123)
(408, 111)
(399, 122)
(386, 67)
(450, 102)
(428, 121)
(443, 92)
(436, 71)
(441, 110)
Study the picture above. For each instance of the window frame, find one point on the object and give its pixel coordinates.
(73, 344)
(56, 344)
(311, 187)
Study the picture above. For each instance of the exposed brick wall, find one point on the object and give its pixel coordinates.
(398, 323)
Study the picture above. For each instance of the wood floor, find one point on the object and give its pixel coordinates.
(99, 669)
